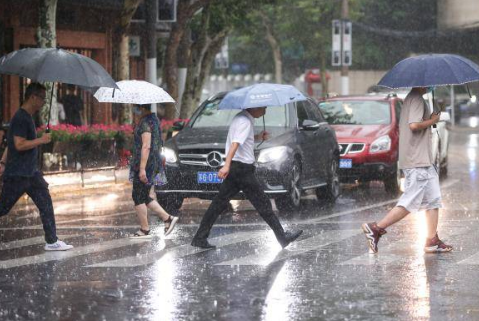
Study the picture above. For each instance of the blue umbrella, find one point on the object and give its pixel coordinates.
(261, 95)
(431, 70)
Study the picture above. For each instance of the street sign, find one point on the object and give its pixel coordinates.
(347, 45)
(134, 46)
(222, 59)
(336, 52)
(341, 53)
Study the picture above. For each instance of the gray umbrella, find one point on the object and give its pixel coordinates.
(56, 65)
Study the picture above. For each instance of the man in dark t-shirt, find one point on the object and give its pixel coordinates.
(18, 166)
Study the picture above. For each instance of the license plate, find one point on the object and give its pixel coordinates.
(209, 178)
(345, 163)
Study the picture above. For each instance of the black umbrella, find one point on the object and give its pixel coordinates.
(56, 65)
(431, 70)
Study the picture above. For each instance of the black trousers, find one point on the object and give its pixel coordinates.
(241, 177)
(37, 188)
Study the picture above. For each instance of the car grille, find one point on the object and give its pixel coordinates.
(208, 158)
(351, 148)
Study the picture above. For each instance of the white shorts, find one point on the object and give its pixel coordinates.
(421, 189)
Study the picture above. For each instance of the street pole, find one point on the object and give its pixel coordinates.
(344, 68)
(150, 23)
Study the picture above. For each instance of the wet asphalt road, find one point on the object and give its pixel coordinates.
(326, 275)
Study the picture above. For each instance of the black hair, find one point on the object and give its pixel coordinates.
(144, 106)
(34, 88)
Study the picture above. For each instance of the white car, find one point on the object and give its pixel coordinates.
(440, 139)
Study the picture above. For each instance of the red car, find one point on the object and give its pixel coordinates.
(367, 129)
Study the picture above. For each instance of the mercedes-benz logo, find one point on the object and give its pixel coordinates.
(214, 159)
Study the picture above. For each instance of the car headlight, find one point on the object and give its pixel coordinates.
(272, 154)
(170, 155)
(382, 144)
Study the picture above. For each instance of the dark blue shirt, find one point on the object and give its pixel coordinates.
(21, 163)
(148, 124)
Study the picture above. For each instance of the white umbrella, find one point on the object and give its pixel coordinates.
(133, 92)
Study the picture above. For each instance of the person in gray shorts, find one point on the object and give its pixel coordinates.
(422, 190)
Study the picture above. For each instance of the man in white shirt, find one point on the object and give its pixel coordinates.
(238, 175)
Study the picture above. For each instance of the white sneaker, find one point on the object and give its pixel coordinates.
(58, 246)
(172, 220)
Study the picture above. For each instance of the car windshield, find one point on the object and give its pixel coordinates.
(350, 112)
(211, 116)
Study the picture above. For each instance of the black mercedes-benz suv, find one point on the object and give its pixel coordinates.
(301, 154)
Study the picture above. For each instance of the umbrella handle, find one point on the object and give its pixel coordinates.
(264, 130)
(50, 109)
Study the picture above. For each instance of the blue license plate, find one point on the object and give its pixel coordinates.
(345, 163)
(208, 178)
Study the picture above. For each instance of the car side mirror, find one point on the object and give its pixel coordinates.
(444, 116)
(178, 125)
(309, 124)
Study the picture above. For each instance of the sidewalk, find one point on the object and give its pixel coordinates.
(71, 183)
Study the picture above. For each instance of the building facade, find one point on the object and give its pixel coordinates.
(83, 26)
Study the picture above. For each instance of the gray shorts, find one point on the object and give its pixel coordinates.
(421, 189)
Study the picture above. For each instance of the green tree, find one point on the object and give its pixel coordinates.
(209, 30)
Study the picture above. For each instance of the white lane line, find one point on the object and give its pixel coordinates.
(472, 260)
(177, 251)
(397, 250)
(30, 241)
(71, 227)
(386, 254)
(95, 218)
(312, 243)
(322, 218)
(77, 251)
(90, 218)
(311, 221)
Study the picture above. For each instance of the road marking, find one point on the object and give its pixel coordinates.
(386, 254)
(90, 218)
(314, 220)
(95, 218)
(311, 221)
(177, 251)
(472, 260)
(30, 241)
(312, 243)
(396, 250)
(63, 255)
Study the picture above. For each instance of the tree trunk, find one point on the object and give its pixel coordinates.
(200, 70)
(46, 37)
(207, 62)
(184, 53)
(194, 65)
(122, 54)
(185, 11)
(275, 47)
(324, 79)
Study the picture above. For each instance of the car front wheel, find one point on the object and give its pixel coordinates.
(292, 200)
(392, 183)
(331, 191)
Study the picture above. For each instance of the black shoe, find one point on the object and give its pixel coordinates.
(204, 244)
(290, 237)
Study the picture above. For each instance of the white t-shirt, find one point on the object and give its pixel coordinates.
(242, 132)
